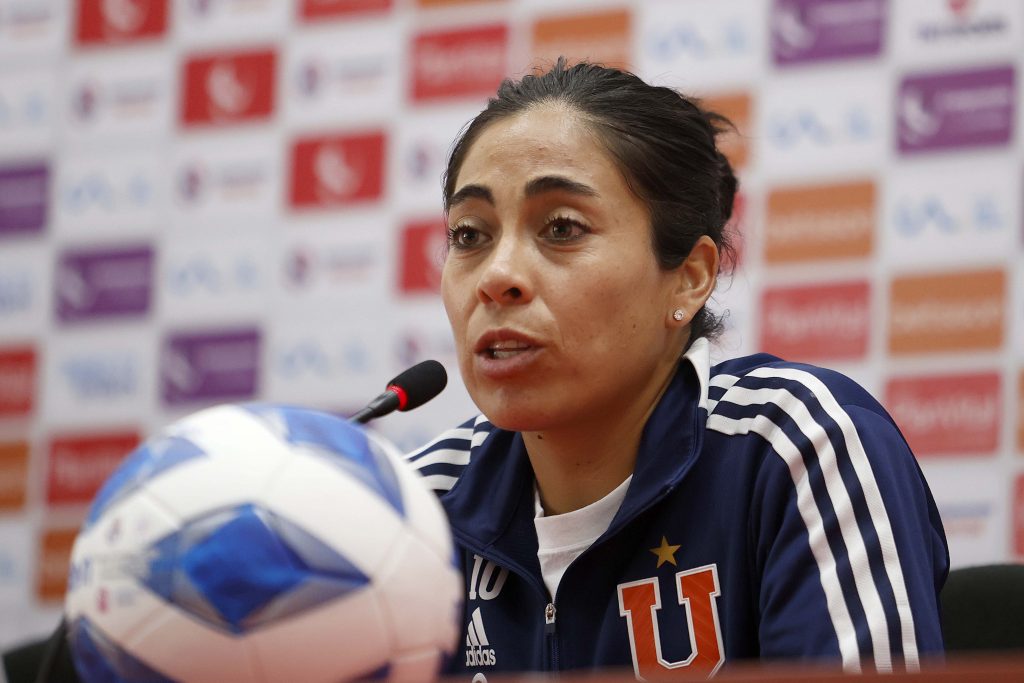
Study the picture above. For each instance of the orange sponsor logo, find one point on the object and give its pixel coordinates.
(602, 37)
(80, 464)
(819, 223)
(735, 144)
(54, 556)
(13, 475)
(947, 312)
(819, 322)
(947, 415)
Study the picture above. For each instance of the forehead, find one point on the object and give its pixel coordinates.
(549, 139)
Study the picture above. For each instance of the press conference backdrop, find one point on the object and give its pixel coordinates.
(227, 200)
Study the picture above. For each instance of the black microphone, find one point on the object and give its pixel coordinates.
(410, 389)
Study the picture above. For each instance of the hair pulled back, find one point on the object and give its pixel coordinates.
(662, 142)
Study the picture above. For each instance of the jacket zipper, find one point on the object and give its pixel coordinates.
(549, 636)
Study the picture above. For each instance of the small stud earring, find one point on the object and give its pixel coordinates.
(678, 315)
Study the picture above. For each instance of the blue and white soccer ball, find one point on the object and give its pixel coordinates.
(263, 543)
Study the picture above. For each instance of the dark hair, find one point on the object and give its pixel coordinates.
(664, 144)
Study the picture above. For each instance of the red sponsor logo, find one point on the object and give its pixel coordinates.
(337, 170)
(312, 10)
(810, 323)
(13, 475)
(423, 248)
(79, 464)
(54, 557)
(17, 381)
(228, 88)
(950, 414)
(461, 63)
(107, 21)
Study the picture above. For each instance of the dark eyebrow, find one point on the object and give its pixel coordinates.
(557, 183)
(471, 192)
(548, 183)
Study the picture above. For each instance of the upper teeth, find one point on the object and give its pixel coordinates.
(507, 345)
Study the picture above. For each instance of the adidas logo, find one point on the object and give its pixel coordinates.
(478, 649)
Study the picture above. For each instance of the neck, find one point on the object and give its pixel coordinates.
(580, 463)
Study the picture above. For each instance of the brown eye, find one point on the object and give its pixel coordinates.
(463, 237)
(564, 229)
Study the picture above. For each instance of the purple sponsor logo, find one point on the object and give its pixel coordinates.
(23, 199)
(818, 30)
(960, 109)
(104, 283)
(210, 366)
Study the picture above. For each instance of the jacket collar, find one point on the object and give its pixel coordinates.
(491, 505)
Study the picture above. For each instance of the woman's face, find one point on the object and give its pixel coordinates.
(560, 312)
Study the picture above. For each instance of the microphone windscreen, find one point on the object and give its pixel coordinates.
(421, 383)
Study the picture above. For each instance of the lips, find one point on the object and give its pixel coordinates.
(504, 344)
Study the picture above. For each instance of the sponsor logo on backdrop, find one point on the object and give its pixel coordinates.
(308, 267)
(603, 37)
(240, 178)
(313, 10)
(229, 88)
(54, 557)
(17, 290)
(103, 283)
(817, 322)
(24, 192)
(99, 376)
(13, 475)
(422, 255)
(966, 518)
(316, 77)
(337, 170)
(119, 97)
(104, 193)
(973, 108)
(820, 222)
(415, 345)
(17, 380)
(27, 20)
(210, 366)
(736, 107)
(463, 63)
(312, 358)
(935, 215)
(112, 21)
(963, 311)
(80, 463)
(692, 37)
(806, 127)
(960, 20)
(948, 414)
(199, 276)
(818, 30)
(23, 108)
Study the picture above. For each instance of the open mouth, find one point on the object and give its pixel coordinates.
(506, 349)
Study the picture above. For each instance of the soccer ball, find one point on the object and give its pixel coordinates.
(263, 543)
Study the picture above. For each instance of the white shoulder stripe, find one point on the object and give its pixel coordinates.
(440, 482)
(836, 605)
(442, 456)
(457, 433)
(840, 499)
(873, 497)
(722, 382)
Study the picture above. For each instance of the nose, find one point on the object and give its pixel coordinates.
(505, 278)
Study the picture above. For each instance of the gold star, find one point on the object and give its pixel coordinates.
(665, 553)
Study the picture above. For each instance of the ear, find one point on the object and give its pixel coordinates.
(695, 281)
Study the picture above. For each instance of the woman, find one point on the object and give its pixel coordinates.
(619, 502)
